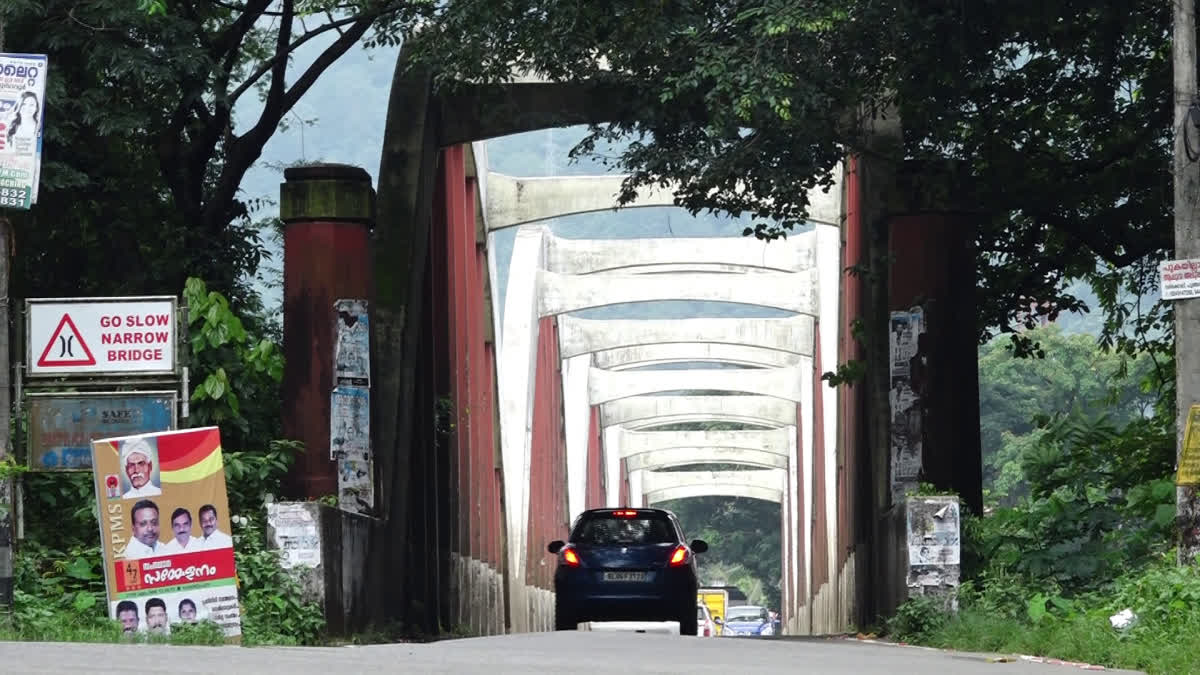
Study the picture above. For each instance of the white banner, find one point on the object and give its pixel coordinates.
(1179, 279)
(22, 118)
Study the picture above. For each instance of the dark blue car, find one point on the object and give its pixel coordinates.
(626, 565)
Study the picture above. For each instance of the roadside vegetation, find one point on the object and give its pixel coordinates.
(59, 586)
(1080, 519)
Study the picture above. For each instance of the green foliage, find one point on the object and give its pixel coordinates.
(1164, 597)
(252, 476)
(916, 618)
(1075, 376)
(744, 541)
(231, 366)
(273, 608)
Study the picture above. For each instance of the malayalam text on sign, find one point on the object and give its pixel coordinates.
(22, 113)
(96, 336)
(1179, 279)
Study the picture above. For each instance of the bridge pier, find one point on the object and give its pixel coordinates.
(327, 211)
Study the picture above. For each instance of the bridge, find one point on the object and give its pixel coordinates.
(500, 409)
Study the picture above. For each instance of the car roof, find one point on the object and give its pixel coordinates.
(639, 509)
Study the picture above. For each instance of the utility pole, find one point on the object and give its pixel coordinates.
(6, 484)
(1187, 247)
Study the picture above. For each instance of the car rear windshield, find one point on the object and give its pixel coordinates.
(747, 614)
(604, 529)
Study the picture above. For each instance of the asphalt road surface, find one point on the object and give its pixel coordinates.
(567, 652)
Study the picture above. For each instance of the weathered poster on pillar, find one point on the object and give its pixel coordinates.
(350, 446)
(904, 398)
(352, 347)
(22, 113)
(165, 531)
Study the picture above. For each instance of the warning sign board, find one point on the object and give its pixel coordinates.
(101, 336)
(1189, 459)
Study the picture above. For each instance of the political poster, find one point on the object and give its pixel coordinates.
(22, 119)
(164, 528)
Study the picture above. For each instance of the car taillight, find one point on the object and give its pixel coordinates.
(679, 556)
(569, 557)
(624, 514)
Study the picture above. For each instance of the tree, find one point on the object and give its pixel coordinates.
(1016, 395)
(1054, 116)
(143, 160)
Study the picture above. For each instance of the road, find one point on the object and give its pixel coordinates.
(581, 652)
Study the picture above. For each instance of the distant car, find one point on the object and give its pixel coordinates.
(705, 625)
(626, 565)
(747, 620)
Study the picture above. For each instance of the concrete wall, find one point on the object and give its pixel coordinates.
(326, 550)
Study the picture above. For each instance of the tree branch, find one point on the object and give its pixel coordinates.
(270, 63)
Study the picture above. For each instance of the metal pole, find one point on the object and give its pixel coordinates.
(1187, 246)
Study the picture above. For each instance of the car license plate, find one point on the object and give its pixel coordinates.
(624, 576)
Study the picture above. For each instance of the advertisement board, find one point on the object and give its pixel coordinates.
(62, 426)
(165, 530)
(22, 119)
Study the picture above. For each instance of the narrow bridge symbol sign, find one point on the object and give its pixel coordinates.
(66, 347)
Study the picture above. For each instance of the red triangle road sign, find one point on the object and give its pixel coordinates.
(68, 347)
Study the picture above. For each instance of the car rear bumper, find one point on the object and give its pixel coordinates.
(662, 599)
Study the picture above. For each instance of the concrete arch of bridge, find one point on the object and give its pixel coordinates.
(562, 293)
(774, 441)
(641, 412)
(714, 490)
(790, 335)
(784, 383)
(656, 484)
(680, 254)
(687, 456)
(670, 353)
(533, 293)
(513, 201)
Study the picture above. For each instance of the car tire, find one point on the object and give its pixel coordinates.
(687, 621)
(564, 618)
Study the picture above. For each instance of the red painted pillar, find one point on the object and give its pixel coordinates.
(818, 544)
(595, 463)
(851, 395)
(934, 265)
(327, 211)
(799, 546)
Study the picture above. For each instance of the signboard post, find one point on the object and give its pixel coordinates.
(62, 426)
(22, 118)
(100, 336)
(164, 531)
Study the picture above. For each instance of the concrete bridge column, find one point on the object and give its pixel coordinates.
(327, 211)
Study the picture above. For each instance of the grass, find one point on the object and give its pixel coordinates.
(70, 629)
(1152, 646)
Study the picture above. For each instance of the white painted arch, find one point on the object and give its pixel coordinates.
(791, 335)
(639, 412)
(767, 484)
(779, 442)
(785, 383)
(680, 254)
(512, 201)
(669, 353)
(562, 293)
(689, 455)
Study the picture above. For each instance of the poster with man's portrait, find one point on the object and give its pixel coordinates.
(166, 530)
